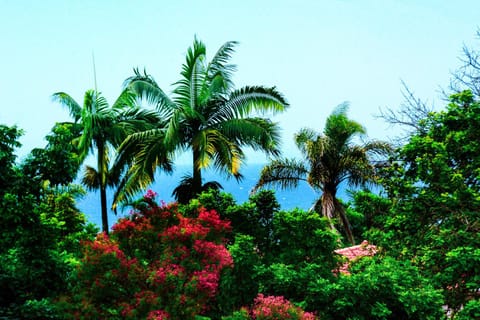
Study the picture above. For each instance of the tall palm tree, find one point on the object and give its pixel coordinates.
(207, 116)
(329, 159)
(103, 128)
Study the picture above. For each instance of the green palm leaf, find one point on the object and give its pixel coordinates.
(205, 116)
(91, 179)
(73, 107)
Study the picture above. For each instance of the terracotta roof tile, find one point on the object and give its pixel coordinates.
(354, 253)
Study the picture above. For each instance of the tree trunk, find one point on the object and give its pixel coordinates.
(196, 174)
(103, 201)
(330, 207)
(102, 174)
(346, 224)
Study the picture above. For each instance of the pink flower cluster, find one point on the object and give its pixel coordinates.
(158, 315)
(273, 308)
(150, 195)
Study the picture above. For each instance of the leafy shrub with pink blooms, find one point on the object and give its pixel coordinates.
(271, 308)
(156, 264)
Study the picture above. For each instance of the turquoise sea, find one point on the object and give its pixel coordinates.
(301, 197)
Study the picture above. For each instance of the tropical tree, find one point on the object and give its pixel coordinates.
(206, 116)
(329, 159)
(434, 188)
(103, 128)
(58, 162)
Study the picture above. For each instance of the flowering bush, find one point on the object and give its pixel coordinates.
(157, 264)
(271, 308)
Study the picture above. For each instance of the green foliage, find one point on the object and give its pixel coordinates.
(274, 252)
(39, 250)
(367, 212)
(290, 254)
(8, 142)
(238, 286)
(294, 247)
(255, 218)
(216, 200)
(241, 314)
(379, 288)
(41, 229)
(435, 190)
(43, 309)
(471, 310)
(302, 252)
(58, 163)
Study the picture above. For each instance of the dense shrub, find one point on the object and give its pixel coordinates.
(377, 288)
(38, 251)
(157, 264)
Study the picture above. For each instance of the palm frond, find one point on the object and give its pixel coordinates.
(378, 148)
(304, 140)
(282, 173)
(185, 191)
(227, 155)
(219, 71)
(126, 99)
(91, 178)
(203, 145)
(176, 132)
(186, 90)
(341, 109)
(215, 185)
(257, 133)
(340, 129)
(145, 87)
(74, 109)
(242, 102)
(138, 119)
(130, 186)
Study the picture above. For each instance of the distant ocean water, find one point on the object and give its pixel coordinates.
(301, 197)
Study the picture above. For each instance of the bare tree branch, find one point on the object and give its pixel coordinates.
(467, 77)
(409, 114)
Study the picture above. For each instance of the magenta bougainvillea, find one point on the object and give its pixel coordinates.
(156, 264)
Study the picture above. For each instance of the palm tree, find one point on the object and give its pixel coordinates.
(330, 159)
(206, 116)
(103, 128)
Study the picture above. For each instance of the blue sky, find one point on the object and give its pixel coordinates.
(318, 53)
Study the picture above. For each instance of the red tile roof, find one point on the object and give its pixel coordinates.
(354, 253)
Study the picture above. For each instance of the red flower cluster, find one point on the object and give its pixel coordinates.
(157, 264)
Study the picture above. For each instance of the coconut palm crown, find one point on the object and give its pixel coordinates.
(329, 159)
(206, 116)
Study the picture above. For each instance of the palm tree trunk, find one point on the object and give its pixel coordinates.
(196, 174)
(346, 224)
(102, 174)
(328, 208)
(103, 201)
